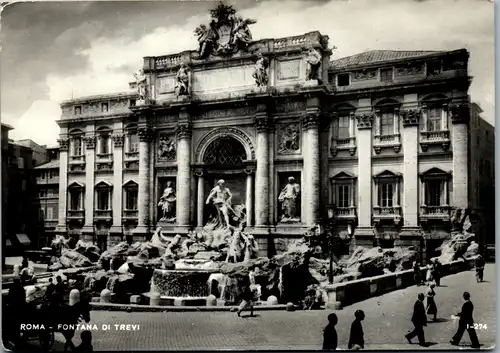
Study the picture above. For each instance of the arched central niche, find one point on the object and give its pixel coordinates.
(225, 150)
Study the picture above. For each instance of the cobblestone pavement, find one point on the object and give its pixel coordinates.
(387, 320)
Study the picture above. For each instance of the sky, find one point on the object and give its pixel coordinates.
(53, 51)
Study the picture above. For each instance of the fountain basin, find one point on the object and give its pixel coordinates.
(181, 283)
(196, 264)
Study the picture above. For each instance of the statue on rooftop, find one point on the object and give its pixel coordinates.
(226, 34)
(260, 73)
(182, 80)
(313, 60)
(142, 84)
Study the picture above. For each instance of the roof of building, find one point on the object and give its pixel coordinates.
(375, 56)
(49, 165)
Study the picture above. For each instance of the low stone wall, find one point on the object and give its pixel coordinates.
(351, 292)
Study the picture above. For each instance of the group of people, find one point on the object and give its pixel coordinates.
(356, 335)
(466, 321)
(432, 272)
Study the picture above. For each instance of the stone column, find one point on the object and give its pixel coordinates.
(249, 198)
(411, 118)
(117, 203)
(88, 228)
(311, 182)
(183, 174)
(262, 173)
(364, 229)
(200, 199)
(63, 185)
(460, 115)
(142, 229)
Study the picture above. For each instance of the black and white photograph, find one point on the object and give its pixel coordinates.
(248, 175)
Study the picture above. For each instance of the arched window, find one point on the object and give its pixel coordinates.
(104, 141)
(225, 151)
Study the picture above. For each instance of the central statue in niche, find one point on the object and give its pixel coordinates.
(221, 197)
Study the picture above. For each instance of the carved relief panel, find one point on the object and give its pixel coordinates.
(167, 148)
(288, 138)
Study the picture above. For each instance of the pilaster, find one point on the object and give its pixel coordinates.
(311, 164)
(460, 115)
(262, 125)
(184, 132)
(117, 201)
(145, 136)
(200, 204)
(364, 119)
(249, 197)
(411, 116)
(90, 144)
(63, 185)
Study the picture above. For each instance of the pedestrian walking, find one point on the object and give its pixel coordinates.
(356, 337)
(247, 301)
(428, 274)
(466, 322)
(437, 272)
(419, 320)
(417, 277)
(330, 338)
(431, 303)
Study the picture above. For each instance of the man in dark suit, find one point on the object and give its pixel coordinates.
(466, 322)
(419, 320)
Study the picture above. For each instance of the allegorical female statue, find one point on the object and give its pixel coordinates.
(313, 61)
(260, 72)
(182, 81)
(288, 199)
(167, 203)
(142, 84)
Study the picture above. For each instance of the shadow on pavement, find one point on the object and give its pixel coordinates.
(439, 319)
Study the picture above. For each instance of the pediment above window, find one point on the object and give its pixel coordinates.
(343, 176)
(76, 185)
(131, 183)
(435, 173)
(387, 174)
(103, 184)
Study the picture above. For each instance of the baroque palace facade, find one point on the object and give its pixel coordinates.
(382, 136)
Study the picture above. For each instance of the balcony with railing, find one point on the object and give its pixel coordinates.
(435, 138)
(130, 215)
(76, 215)
(103, 215)
(441, 213)
(390, 213)
(387, 141)
(345, 213)
(343, 144)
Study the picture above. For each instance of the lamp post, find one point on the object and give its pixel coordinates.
(331, 238)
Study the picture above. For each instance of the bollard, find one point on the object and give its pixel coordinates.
(272, 300)
(74, 297)
(135, 299)
(105, 296)
(17, 271)
(154, 299)
(211, 300)
(290, 307)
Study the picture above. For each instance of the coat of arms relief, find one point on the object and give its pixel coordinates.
(226, 33)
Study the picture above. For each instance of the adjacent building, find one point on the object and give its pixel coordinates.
(46, 199)
(380, 139)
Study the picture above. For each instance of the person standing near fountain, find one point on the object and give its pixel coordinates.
(221, 197)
